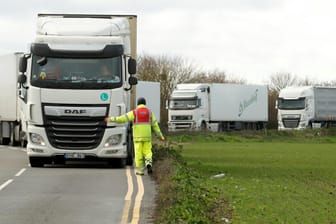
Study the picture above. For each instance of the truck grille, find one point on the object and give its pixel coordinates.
(75, 132)
(291, 122)
(181, 117)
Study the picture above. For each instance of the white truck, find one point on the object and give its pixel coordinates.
(218, 107)
(9, 109)
(65, 94)
(301, 107)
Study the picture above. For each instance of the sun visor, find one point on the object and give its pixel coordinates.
(42, 49)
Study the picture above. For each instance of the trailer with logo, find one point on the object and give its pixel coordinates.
(218, 107)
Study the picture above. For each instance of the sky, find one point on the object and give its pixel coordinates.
(247, 39)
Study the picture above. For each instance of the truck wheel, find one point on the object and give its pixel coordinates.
(36, 161)
(130, 149)
(117, 163)
(5, 141)
(203, 126)
(129, 161)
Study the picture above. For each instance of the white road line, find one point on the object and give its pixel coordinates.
(11, 180)
(128, 197)
(20, 172)
(5, 184)
(138, 199)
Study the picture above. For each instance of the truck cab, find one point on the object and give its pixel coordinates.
(188, 107)
(78, 70)
(295, 108)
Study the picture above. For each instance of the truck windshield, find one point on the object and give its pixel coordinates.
(184, 104)
(72, 73)
(286, 104)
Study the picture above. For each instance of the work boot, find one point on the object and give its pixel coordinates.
(139, 173)
(149, 169)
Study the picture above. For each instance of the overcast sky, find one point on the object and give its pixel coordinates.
(249, 39)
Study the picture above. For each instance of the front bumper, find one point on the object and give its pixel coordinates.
(47, 150)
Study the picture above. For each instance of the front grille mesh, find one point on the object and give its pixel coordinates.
(291, 122)
(181, 117)
(75, 133)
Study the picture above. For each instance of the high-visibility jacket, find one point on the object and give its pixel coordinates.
(144, 121)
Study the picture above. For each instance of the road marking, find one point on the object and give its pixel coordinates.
(20, 172)
(128, 197)
(138, 199)
(5, 184)
(11, 180)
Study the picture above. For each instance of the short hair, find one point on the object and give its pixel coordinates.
(141, 100)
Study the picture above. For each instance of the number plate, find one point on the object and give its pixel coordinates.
(74, 156)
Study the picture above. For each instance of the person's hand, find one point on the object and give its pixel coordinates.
(110, 119)
(162, 139)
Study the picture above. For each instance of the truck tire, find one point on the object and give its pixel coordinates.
(37, 161)
(5, 141)
(117, 163)
(130, 147)
(130, 154)
(203, 126)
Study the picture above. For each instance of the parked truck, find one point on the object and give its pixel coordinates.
(218, 107)
(9, 109)
(66, 92)
(306, 107)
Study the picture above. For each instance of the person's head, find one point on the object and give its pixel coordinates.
(141, 100)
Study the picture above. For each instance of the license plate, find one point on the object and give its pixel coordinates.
(74, 155)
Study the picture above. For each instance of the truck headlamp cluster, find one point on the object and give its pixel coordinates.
(37, 139)
(113, 140)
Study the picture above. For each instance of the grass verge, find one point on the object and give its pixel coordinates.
(270, 177)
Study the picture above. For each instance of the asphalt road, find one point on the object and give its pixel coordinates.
(72, 193)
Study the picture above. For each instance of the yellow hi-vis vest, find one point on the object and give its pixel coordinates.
(144, 121)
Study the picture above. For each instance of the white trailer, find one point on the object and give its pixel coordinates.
(218, 107)
(151, 92)
(66, 96)
(237, 107)
(9, 112)
(306, 107)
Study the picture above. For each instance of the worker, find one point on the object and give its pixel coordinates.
(144, 122)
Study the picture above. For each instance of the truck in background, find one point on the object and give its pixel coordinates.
(65, 95)
(218, 107)
(301, 107)
(10, 131)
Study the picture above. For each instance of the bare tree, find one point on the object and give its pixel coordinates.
(328, 83)
(215, 76)
(306, 82)
(279, 81)
(169, 71)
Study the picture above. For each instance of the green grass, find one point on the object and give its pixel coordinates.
(268, 179)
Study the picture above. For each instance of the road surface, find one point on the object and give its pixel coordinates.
(72, 193)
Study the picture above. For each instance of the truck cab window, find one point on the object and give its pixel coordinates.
(291, 104)
(91, 73)
(183, 104)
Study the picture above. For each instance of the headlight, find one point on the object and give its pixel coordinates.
(36, 139)
(113, 140)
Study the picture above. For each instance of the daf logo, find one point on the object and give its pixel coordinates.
(74, 111)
